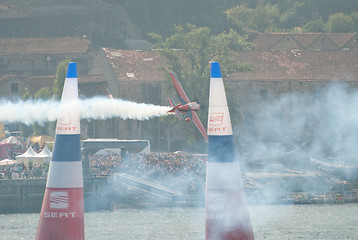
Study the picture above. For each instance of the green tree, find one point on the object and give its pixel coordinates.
(252, 15)
(354, 17)
(189, 51)
(60, 78)
(315, 26)
(262, 18)
(45, 94)
(266, 17)
(340, 23)
(240, 16)
(26, 96)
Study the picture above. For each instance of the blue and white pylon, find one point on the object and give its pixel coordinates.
(227, 215)
(62, 213)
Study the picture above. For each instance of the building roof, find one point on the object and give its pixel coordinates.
(38, 82)
(93, 85)
(137, 65)
(268, 41)
(340, 39)
(7, 78)
(306, 65)
(91, 79)
(43, 45)
(293, 65)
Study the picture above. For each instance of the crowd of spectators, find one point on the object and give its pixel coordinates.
(21, 171)
(171, 169)
(154, 164)
(106, 164)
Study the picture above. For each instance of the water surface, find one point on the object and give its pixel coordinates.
(329, 222)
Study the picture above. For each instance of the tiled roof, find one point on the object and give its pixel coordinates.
(43, 45)
(134, 65)
(4, 78)
(305, 39)
(299, 65)
(91, 79)
(267, 41)
(340, 38)
(38, 82)
(92, 85)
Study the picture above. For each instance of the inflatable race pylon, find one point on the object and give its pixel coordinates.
(227, 215)
(62, 213)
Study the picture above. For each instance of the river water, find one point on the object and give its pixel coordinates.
(339, 221)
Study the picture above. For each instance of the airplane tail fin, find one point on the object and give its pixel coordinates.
(171, 102)
(174, 108)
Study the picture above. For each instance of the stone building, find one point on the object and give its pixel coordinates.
(280, 74)
(134, 75)
(284, 65)
(294, 75)
(27, 64)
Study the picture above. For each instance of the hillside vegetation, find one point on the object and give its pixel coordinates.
(244, 16)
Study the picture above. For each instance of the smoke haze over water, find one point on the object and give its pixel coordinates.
(327, 119)
(41, 111)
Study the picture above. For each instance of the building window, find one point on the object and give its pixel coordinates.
(14, 87)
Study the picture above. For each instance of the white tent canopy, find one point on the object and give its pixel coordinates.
(28, 154)
(45, 153)
(12, 140)
(36, 158)
(6, 162)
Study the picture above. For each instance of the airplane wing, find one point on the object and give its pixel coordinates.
(175, 110)
(183, 97)
(199, 125)
(184, 100)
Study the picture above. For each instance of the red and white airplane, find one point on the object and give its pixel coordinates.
(185, 106)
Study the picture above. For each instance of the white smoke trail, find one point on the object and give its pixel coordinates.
(41, 111)
(103, 108)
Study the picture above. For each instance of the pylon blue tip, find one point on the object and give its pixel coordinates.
(215, 70)
(72, 70)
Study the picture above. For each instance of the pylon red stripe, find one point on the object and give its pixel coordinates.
(62, 214)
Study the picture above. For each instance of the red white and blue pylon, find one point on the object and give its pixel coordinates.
(62, 212)
(227, 216)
